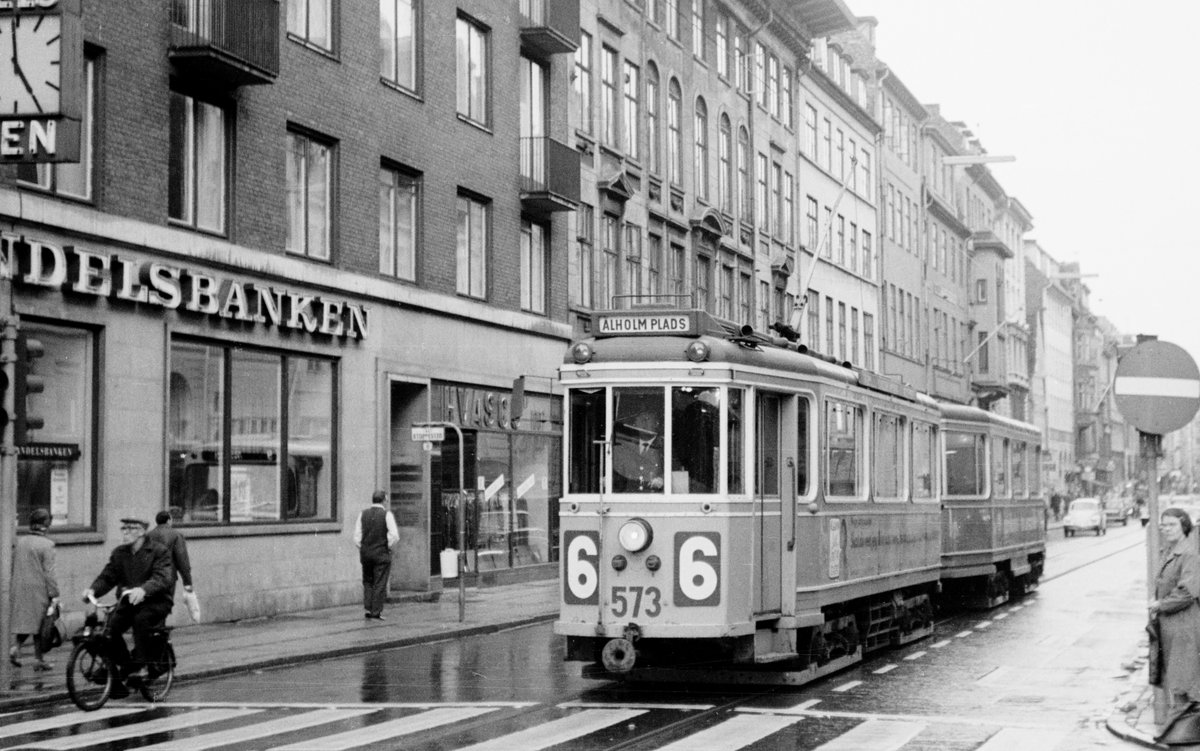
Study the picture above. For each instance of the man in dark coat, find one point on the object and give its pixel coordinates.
(141, 571)
(375, 533)
(166, 535)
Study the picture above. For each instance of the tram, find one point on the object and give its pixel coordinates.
(738, 508)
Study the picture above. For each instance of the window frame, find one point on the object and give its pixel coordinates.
(330, 168)
(304, 37)
(48, 176)
(535, 266)
(414, 179)
(473, 103)
(858, 412)
(193, 191)
(469, 285)
(392, 77)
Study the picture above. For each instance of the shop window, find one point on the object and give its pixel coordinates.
(250, 435)
(55, 469)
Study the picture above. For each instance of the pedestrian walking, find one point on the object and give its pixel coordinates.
(375, 534)
(1175, 607)
(34, 587)
(165, 534)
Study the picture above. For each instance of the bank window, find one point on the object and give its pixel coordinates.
(70, 179)
(399, 194)
(197, 166)
(843, 451)
(965, 463)
(887, 446)
(250, 435)
(924, 448)
(56, 467)
(472, 247)
(311, 21)
(309, 195)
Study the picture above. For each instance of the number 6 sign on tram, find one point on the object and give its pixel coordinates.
(697, 569)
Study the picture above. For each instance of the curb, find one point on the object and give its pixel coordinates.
(59, 695)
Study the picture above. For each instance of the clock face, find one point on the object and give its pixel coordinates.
(30, 64)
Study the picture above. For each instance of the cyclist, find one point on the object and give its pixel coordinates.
(141, 571)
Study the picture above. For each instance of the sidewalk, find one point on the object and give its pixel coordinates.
(212, 649)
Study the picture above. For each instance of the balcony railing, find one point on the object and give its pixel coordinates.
(550, 27)
(233, 41)
(549, 175)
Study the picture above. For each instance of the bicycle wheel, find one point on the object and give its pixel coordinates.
(156, 688)
(90, 676)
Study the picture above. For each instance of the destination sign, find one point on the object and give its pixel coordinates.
(620, 324)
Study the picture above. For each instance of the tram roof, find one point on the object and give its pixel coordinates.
(965, 413)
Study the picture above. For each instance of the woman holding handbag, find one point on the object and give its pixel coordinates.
(35, 590)
(1177, 612)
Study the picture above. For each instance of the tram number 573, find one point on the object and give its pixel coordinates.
(697, 558)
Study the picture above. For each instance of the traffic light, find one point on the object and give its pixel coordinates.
(28, 350)
(4, 417)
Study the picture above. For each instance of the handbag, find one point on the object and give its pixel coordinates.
(193, 605)
(52, 630)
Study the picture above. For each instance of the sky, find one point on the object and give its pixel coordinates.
(1097, 101)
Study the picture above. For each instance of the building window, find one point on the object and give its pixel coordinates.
(786, 113)
(399, 194)
(654, 263)
(745, 297)
(740, 69)
(398, 39)
(745, 205)
(675, 132)
(868, 258)
(608, 96)
(761, 205)
(841, 240)
(760, 74)
(868, 341)
(672, 19)
(472, 247)
(811, 228)
(250, 435)
(701, 152)
(829, 326)
(777, 223)
(722, 23)
(854, 335)
(309, 195)
(633, 110)
(73, 180)
(810, 132)
(982, 357)
(827, 251)
(583, 82)
(725, 165)
(311, 21)
(853, 260)
(585, 233)
(653, 148)
(62, 484)
(842, 331)
(981, 290)
(472, 51)
(534, 253)
(704, 282)
(678, 269)
(773, 85)
(196, 171)
(813, 308)
(698, 28)
(789, 209)
(633, 261)
(826, 151)
(610, 241)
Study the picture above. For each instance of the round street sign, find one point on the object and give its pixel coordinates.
(1157, 387)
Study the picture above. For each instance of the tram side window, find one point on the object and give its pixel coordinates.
(638, 440)
(695, 439)
(802, 446)
(843, 447)
(1000, 467)
(587, 434)
(1035, 470)
(736, 420)
(887, 459)
(964, 463)
(1019, 488)
(924, 438)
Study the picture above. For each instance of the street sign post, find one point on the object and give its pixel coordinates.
(1157, 390)
(429, 432)
(433, 433)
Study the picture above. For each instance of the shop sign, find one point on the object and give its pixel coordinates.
(478, 408)
(74, 269)
(61, 451)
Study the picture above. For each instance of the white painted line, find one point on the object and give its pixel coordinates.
(847, 686)
(886, 669)
(1000, 616)
(916, 656)
(632, 705)
(940, 644)
(925, 719)
(1149, 386)
(1015, 608)
(64, 720)
(737, 732)
(141, 729)
(804, 705)
(384, 731)
(983, 624)
(350, 705)
(874, 735)
(259, 730)
(963, 634)
(562, 730)
(1026, 739)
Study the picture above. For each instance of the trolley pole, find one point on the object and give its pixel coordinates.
(8, 476)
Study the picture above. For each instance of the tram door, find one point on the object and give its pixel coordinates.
(768, 521)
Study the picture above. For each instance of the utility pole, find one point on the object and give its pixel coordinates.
(8, 471)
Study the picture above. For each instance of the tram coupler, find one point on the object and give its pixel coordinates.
(619, 655)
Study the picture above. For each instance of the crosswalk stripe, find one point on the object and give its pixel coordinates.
(138, 730)
(732, 734)
(915, 656)
(847, 686)
(631, 705)
(940, 644)
(558, 731)
(1000, 616)
(387, 730)
(1026, 739)
(874, 735)
(886, 669)
(964, 634)
(60, 721)
(259, 730)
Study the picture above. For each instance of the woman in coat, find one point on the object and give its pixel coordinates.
(1176, 590)
(34, 586)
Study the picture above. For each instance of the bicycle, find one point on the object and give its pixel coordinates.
(92, 670)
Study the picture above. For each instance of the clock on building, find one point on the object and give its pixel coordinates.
(31, 60)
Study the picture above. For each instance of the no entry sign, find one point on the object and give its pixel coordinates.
(1157, 387)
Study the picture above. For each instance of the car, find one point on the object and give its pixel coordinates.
(1119, 509)
(1085, 513)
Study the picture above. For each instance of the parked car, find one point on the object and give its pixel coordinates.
(1119, 509)
(1085, 513)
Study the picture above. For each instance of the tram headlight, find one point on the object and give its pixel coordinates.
(635, 535)
(581, 352)
(697, 352)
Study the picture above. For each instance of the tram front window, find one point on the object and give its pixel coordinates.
(638, 440)
(586, 415)
(695, 439)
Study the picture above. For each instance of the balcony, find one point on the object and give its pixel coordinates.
(234, 42)
(549, 27)
(549, 176)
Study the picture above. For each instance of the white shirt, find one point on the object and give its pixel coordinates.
(393, 532)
